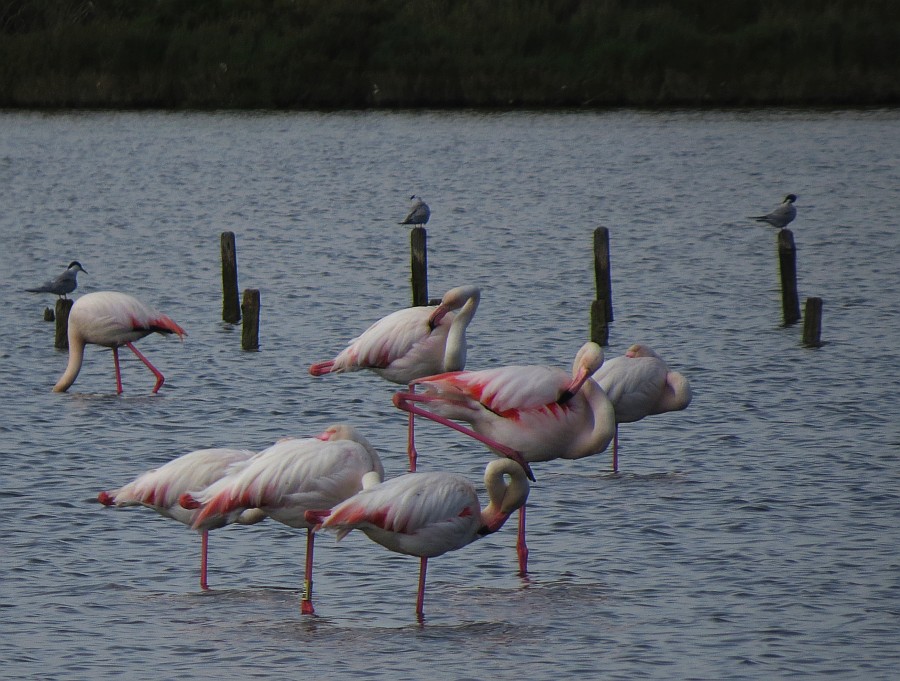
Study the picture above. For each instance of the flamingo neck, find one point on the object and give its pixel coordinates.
(455, 349)
(76, 357)
(504, 498)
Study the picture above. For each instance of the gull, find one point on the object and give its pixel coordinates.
(781, 216)
(419, 213)
(64, 283)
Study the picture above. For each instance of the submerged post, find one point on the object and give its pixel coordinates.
(250, 328)
(601, 308)
(812, 323)
(63, 306)
(231, 309)
(419, 262)
(787, 258)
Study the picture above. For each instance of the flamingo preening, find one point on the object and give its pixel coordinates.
(639, 383)
(428, 514)
(161, 488)
(411, 343)
(112, 319)
(538, 412)
(287, 479)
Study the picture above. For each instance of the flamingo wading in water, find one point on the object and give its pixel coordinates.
(639, 384)
(64, 283)
(287, 479)
(161, 488)
(428, 514)
(411, 343)
(112, 319)
(539, 412)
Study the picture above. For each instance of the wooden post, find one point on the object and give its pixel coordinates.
(250, 329)
(63, 306)
(48, 314)
(231, 310)
(812, 323)
(601, 308)
(419, 252)
(787, 258)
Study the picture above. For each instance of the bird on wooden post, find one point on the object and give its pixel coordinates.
(781, 216)
(419, 213)
(64, 283)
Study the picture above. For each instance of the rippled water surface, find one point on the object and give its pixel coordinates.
(752, 536)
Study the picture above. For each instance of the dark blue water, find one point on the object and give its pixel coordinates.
(752, 536)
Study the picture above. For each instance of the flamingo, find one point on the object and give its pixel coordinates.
(428, 514)
(411, 343)
(782, 215)
(287, 479)
(64, 283)
(161, 488)
(639, 383)
(419, 212)
(112, 319)
(539, 412)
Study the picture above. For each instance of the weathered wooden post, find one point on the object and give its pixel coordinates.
(812, 323)
(787, 258)
(601, 308)
(231, 309)
(419, 262)
(63, 306)
(48, 315)
(250, 328)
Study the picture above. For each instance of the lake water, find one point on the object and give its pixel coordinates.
(752, 536)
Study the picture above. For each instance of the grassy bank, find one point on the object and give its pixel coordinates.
(447, 53)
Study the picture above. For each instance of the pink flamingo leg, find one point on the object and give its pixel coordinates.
(411, 438)
(204, 545)
(521, 546)
(306, 606)
(160, 379)
(402, 401)
(118, 373)
(615, 461)
(420, 598)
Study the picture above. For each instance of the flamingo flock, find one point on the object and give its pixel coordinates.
(335, 481)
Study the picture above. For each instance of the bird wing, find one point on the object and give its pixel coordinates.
(388, 339)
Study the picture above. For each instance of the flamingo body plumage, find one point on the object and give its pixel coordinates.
(640, 384)
(112, 319)
(428, 514)
(287, 479)
(161, 488)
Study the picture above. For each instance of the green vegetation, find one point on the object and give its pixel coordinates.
(447, 53)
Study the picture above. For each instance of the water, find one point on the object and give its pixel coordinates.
(752, 536)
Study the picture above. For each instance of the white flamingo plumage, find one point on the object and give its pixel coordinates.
(287, 479)
(535, 412)
(427, 514)
(411, 343)
(639, 384)
(161, 488)
(112, 319)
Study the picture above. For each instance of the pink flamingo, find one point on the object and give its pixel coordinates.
(428, 514)
(539, 412)
(161, 488)
(639, 383)
(112, 319)
(289, 478)
(411, 343)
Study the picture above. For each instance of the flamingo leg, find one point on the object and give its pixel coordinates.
(521, 546)
(306, 606)
(402, 401)
(204, 546)
(615, 458)
(420, 598)
(118, 373)
(411, 439)
(160, 379)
